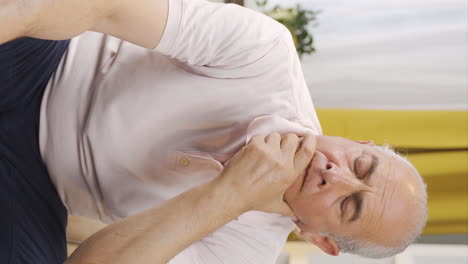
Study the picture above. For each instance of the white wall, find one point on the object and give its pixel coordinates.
(388, 54)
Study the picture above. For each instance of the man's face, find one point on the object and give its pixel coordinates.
(351, 189)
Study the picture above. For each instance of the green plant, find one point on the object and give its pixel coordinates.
(297, 20)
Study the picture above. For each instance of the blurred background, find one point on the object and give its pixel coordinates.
(395, 72)
(375, 54)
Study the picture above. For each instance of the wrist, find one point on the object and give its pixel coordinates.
(228, 197)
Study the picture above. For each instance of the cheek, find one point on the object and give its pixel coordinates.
(316, 209)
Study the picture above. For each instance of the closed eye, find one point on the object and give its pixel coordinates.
(363, 165)
(342, 205)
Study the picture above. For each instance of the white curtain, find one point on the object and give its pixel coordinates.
(393, 54)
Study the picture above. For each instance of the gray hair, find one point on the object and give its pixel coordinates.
(372, 250)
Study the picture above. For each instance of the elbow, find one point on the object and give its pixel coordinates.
(85, 260)
(84, 255)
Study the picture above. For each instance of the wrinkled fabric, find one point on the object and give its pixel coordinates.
(125, 128)
(33, 221)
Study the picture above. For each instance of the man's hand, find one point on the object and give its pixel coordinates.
(255, 179)
(259, 174)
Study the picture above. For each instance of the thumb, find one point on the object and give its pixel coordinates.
(305, 153)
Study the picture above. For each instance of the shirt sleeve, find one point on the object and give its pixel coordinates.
(255, 237)
(218, 35)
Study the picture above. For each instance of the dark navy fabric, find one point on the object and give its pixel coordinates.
(32, 217)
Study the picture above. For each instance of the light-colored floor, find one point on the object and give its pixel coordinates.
(299, 252)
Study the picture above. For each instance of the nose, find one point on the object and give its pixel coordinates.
(341, 179)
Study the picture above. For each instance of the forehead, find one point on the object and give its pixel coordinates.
(386, 204)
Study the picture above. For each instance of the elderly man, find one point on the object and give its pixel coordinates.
(123, 129)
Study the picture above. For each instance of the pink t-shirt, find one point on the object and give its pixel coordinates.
(125, 128)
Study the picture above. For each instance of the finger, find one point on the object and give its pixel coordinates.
(305, 153)
(256, 139)
(301, 139)
(236, 156)
(289, 144)
(273, 139)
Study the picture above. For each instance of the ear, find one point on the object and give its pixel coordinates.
(370, 143)
(326, 244)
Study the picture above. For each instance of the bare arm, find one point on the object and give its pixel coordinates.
(138, 21)
(255, 179)
(158, 234)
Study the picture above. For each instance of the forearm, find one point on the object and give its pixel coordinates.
(51, 19)
(16, 18)
(139, 21)
(158, 234)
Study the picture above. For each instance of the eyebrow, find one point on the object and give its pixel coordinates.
(358, 199)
